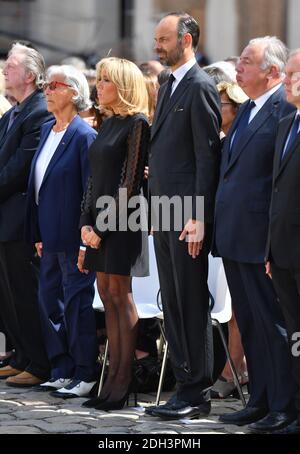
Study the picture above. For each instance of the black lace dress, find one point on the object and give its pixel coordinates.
(117, 158)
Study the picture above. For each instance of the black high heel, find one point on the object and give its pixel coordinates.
(92, 403)
(118, 404)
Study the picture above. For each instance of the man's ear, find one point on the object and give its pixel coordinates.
(273, 72)
(29, 77)
(187, 40)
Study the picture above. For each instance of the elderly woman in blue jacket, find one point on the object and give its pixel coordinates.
(56, 185)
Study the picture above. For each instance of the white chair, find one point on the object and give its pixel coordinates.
(145, 292)
(221, 311)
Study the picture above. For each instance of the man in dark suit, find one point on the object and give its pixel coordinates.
(283, 247)
(240, 234)
(183, 162)
(19, 138)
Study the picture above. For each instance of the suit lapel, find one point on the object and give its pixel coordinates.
(258, 121)
(162, 109)
(4, 121)
(282, 163)
(61, 147)
(284, 131)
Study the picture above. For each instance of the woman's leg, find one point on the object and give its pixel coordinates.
(236, 351)
(121, 324)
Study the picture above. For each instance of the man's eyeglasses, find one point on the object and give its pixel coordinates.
(54, 84)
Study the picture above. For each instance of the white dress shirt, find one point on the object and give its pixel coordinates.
(180, 72)
(261, 101)
(44, 159)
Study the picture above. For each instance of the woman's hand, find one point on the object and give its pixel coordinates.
(39, 249)
(80, 261)
(84, 232)
(93, 240)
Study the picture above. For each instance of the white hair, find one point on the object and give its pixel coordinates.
(78, 82)
(33, 62)
(294, 52)
(226, 67)
(275, 52)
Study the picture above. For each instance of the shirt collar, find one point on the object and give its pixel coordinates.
(259, 102)
(180, 72)
(20, 106)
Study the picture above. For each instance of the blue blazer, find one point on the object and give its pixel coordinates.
(245, 185)
(55, 221)
(17, 148)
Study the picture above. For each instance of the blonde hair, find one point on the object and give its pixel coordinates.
(129, 80)
(152, 89)
(233, 91)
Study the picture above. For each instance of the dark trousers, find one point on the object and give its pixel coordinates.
(263, 334)
(185, 298)
(19, 308)
(287, 286)
(68, 320)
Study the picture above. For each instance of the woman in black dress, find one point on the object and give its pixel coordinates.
(117, 159)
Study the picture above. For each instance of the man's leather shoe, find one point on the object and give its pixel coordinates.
(293, 428)
(24, 380)
(76, 388)
(8, 371)
(152, 408)
(275, 420)
(243, 417)
(181, 409)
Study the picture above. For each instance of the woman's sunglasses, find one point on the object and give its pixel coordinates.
(54, 84)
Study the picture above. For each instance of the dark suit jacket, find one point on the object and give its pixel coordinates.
(283, 246)
(17, 148)
(244, 191)
(185, 146)
(55, 220)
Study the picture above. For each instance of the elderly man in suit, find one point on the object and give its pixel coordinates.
(240, 235)
(283, 248)
(184, 162)
(19, 138)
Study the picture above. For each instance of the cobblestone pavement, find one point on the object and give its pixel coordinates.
(27, 411)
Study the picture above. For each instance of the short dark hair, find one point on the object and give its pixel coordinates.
(187, 24)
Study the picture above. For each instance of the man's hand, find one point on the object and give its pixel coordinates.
(193, 233)
(268, 270)
(39, 249)
(80, 261)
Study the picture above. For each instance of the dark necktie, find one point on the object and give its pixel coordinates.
(13, 116)
(168, 91)
(292, 137)
(242, 125)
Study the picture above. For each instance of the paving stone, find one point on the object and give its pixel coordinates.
(29, 411)
(19, 430)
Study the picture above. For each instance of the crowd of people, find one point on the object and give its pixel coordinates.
(72, 159)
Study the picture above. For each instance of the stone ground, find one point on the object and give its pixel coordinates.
(27, 411)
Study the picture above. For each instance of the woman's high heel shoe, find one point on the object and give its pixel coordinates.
(223, 388)
(95, 401)
(117, 404)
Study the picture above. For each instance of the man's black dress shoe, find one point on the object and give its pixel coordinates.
(275, 420)
(181, 409)
(152, 408)
(293, 428)
(244, 417)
